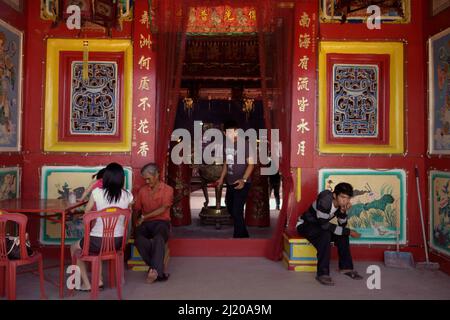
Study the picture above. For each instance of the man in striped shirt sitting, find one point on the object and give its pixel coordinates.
(316, 227)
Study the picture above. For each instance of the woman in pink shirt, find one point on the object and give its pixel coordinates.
(97, 183)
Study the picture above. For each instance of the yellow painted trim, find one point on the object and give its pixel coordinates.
(298, 194)
(300, 262)
(396, 108)
(305, 269)
(54, 47)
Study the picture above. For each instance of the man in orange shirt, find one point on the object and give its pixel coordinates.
(153, 204)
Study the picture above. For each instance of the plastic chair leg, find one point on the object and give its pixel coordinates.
(119, 275)
(41, 277)
(112, 273)
(12, 282)
(2, 280)
(95, 278)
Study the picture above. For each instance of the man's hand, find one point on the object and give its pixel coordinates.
(355, 234)
(240, 184)
(139, 220)
(345, 208)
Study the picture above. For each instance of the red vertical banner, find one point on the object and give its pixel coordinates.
(304, 84)
(144, 87)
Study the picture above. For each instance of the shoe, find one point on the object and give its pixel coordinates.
(83, 290)
(353, 274)
(164, 277)
(325, 280)
(102, 287)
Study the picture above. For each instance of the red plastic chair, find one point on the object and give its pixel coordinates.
(8, 267)
(108, 252)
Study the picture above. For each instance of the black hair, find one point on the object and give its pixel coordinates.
(99, 174)
(113, 182)
(230, 124)
(345, 188)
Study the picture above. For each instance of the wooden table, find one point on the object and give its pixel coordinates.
(55, 207)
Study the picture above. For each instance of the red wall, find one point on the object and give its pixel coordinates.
(415, 119)
(32, 157)
(432, 26)
(414, 34)
(33, 122)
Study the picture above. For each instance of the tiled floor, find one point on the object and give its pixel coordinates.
(203, 278)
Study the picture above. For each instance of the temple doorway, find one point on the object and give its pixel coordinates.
(221, 80)
(224, 62)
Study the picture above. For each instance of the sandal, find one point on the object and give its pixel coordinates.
(164, 277)
(354, 275)
(325, 280)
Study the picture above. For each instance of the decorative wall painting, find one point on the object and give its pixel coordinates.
(355, 11)
(88, 100)
(439, 93)
(361, 97)
(56, 183)
(440, 211)
(9, 183)
(379, 203)
(15, 4)
(10, 87)
(438, 6)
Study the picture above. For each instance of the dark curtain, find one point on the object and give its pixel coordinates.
(279, 65)
(171, 24)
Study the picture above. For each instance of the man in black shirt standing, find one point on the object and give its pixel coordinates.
(315, 226)
(238, 178)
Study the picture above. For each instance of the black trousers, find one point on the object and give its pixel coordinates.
(150, 240)
(235, 201)
(321, 239)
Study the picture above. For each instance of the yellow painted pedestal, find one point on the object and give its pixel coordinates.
(299, 254)
(136, 263)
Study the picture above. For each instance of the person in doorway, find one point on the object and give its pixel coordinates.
(237, 176)
(316, 227)
(112, 194)
(274, 184)
(153, 223)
